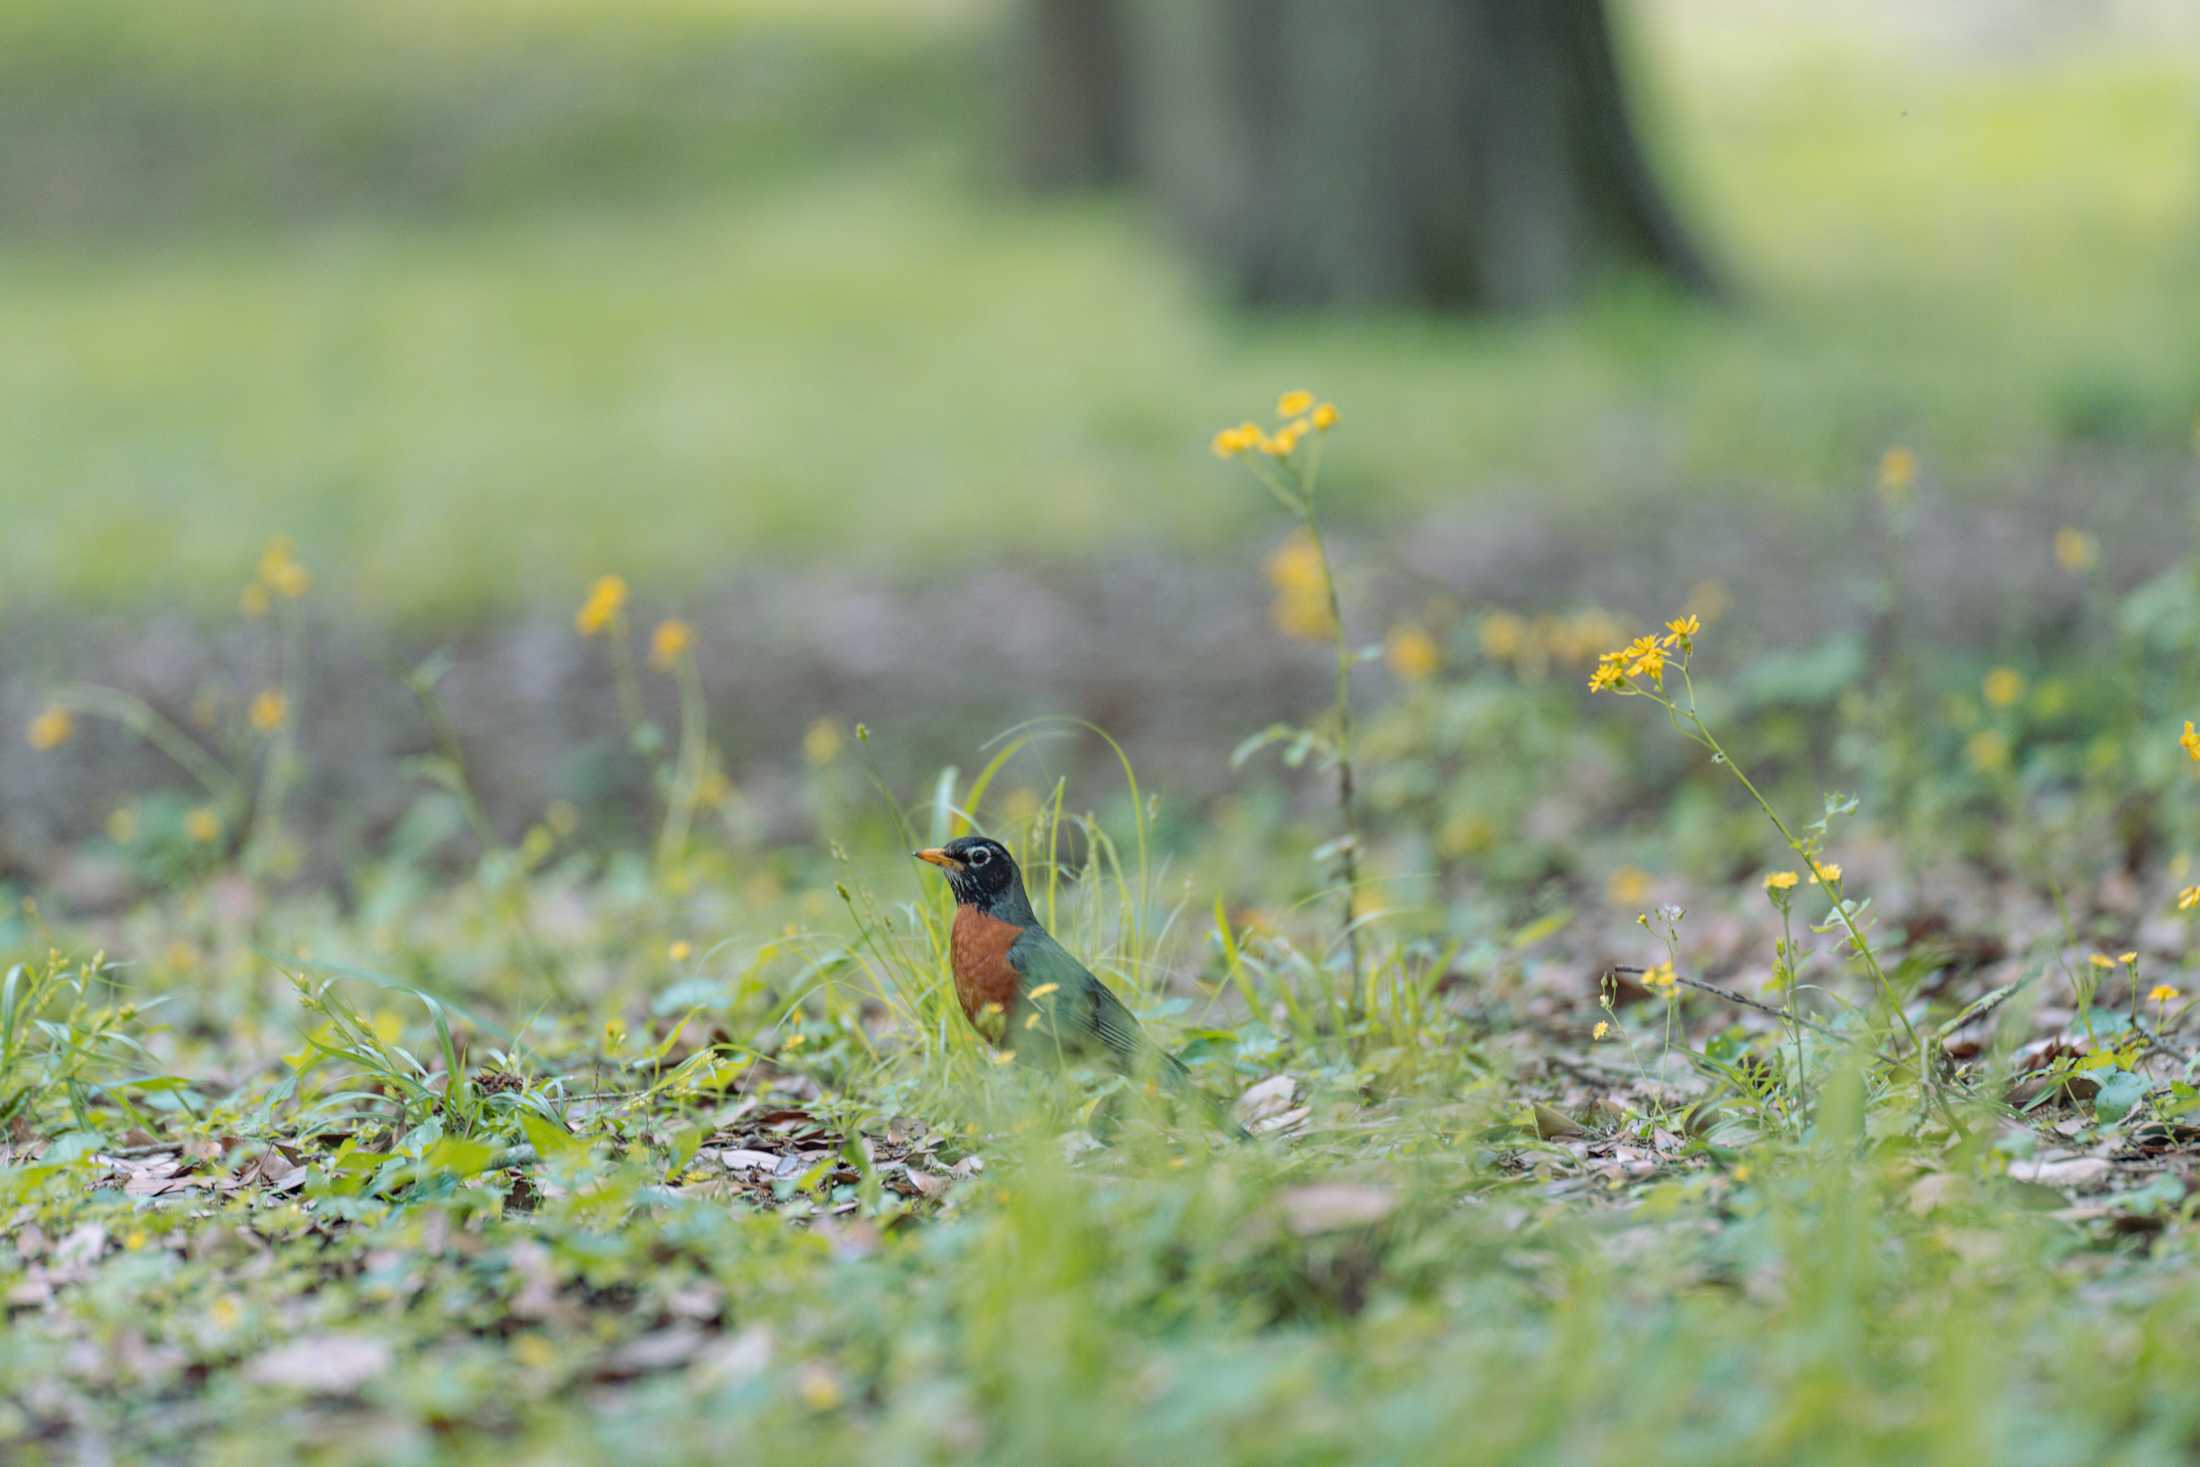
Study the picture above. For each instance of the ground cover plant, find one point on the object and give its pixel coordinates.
(1650, 1055)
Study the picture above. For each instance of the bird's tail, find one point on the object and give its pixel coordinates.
(1172, 1072)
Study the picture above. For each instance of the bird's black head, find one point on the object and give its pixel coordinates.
(982, 873)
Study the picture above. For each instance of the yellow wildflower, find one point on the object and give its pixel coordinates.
(1643, 657)
(1231, 442)
(52, 728)
(1684, 627)
(1600, 1030)
(2190, 740)
(2003, 686)
(1502, 634)
(1284, 442)
(1297, 565)
(680, 951)
(2162, 993)
(280, 570)
(252, 601)
(821, 742)
(1660, 977)
(1303, 616)
(1324, 417)
(2188, 898)
(269, 710)
(203, 825)
(1607, 675)
(672, 638)
(1781, 881)
(2075, 550)
(1411, 653)
(2102, 961)
(1829, 869)
(605, 599)
(2129, 960)
(1897, 471)
(1291, 404)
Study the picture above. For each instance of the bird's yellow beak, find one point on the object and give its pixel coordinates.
(938, 858)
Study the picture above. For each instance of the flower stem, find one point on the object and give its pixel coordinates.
(1840, 905)
(1348, 845)
(687, 779)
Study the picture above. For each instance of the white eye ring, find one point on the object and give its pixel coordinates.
(980, 856)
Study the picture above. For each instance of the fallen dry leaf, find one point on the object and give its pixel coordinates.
(325, 1364)
(1326, 1207)
(1271, 1096)
(2075, 1171)
(744, 1161)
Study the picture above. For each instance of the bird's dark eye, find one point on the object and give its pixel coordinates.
(980, 856)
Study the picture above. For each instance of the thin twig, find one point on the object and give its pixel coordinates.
(1764, 1008)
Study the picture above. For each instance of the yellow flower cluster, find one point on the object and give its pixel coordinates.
(1301, 607)
(1660, 978)
(2189, 740)
(280, 574)
(269, 710)
(1411, 653)
(1301, 414)
(1831, 870)
(2003, 686)
(1533, 644)
(606, 599)
(1897, 473)
(670, 642)
(52, 728)
(2162, 993)
(2075, 550)
(2188, 898)
(1646, 656)
(1781, 881)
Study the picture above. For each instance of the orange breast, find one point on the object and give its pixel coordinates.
(985, 983)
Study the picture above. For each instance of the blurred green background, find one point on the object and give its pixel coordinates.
(477, 299)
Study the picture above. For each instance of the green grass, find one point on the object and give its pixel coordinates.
(779, 330)
(559, 1149)
(463, 1168)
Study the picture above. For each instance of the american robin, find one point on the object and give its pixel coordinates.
(1021, 989)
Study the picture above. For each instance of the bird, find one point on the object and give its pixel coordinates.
(1023, 991)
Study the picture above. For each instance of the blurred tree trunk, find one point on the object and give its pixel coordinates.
(1073, 95)
(1469, 153)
